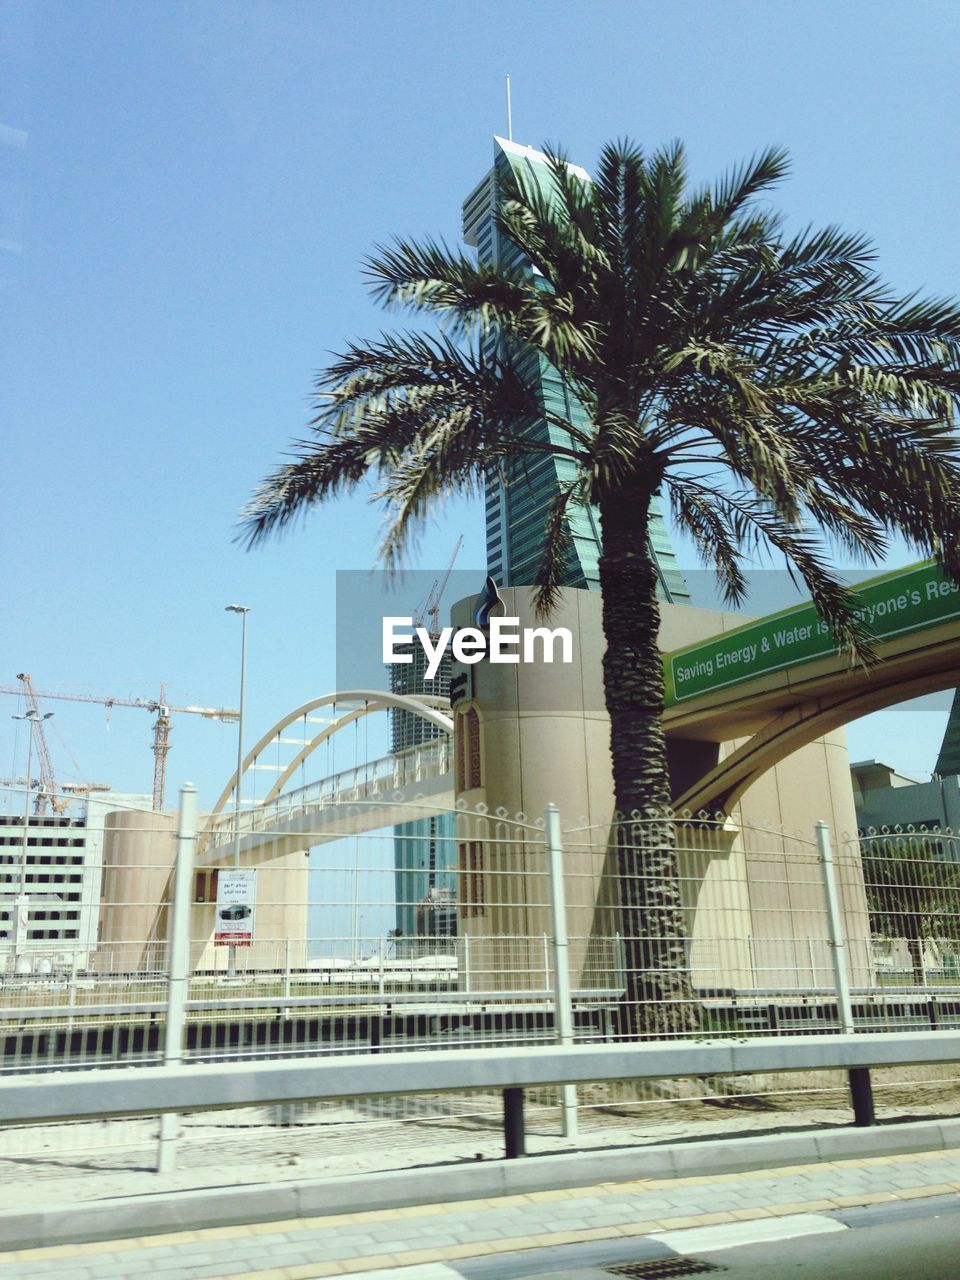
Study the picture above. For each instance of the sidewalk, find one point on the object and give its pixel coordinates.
(378, 1240)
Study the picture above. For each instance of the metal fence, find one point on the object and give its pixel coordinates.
(458, 928)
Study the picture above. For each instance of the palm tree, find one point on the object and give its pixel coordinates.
(770, 387)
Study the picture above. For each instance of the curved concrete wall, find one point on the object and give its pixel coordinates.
(750, 891)
(139, 849)
(138, 857)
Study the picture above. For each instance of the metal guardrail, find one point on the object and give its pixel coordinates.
(397, 1000)
(99, 1094)
(20, 1014)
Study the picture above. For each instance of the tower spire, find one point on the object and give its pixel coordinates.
(509, 114)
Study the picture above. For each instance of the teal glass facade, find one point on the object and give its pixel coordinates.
(425, 861)
(517, 506)
(425, 851)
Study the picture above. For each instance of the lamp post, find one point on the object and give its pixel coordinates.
(243, 610)
(20, 910)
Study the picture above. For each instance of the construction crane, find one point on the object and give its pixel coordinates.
(161, 730)
(429, 611)
(47, 791)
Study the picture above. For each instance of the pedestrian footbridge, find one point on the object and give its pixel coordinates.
(414, 783)
(770, 686)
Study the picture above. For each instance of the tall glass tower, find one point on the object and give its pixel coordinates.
(516, 510)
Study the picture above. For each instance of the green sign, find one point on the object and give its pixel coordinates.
(892, 605)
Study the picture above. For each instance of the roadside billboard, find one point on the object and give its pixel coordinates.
(236, 908)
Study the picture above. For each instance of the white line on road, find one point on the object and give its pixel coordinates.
(728, 1235)
(423, 1271)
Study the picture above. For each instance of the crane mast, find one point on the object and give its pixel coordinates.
(429, 611)
(161, 746)
(47, 793)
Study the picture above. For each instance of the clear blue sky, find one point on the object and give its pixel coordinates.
(186, 192)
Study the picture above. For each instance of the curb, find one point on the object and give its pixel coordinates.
(223, 1206)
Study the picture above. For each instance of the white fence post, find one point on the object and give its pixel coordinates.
(620, 965)
(287, 945)
(71, 996)
(178, 964)
(837, 940)
(563, 1000)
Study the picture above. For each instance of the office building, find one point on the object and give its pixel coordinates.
(517, 504)
(425, 854)
(50, 886)
(887, 800)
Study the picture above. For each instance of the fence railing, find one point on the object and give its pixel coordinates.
(467, 929)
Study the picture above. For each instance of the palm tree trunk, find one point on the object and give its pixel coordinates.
(659, 1000)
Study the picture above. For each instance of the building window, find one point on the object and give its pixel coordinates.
(472, 736)
(205, 886)
(467, 754)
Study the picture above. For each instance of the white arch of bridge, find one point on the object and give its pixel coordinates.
(429, 707)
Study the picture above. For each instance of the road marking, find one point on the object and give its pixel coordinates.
(425, 1271)
(728, 1235)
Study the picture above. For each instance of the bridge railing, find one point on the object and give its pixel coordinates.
(369, 781)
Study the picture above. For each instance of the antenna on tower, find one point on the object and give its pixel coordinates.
(509, 114)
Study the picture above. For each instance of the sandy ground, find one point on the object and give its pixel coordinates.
(95, 1161)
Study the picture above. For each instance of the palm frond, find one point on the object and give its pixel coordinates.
(652, 335)
(557, 547)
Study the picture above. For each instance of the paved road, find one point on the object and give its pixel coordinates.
(926, 1247)
(820, 1209)
(907, 1240)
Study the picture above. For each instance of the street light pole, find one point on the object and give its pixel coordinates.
(20, 917)
(243, 610)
